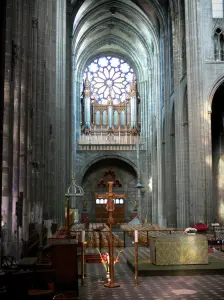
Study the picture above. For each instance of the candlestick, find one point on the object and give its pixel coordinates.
(136, 236)
(83, 259)
(136, 263)
(83, 236)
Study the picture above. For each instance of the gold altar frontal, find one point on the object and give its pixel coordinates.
(179, 249)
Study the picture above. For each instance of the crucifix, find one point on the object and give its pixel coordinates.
(110, 196)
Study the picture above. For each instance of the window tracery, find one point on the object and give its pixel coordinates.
(110, 103)
(109, 76)
(219, 44)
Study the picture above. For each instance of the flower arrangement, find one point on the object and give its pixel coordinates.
(190, 230)
(105, 259)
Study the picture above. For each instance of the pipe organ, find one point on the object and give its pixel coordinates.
(110, 121)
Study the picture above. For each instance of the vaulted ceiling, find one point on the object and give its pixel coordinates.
(125, 28)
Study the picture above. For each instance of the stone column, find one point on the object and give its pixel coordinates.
(197, 159)
(32, 115)
(24, 174)
(156, 199)
(7, 156)
(61, 134)
(2, 70)
(181, 123)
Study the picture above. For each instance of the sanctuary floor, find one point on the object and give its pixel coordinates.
(150, 287)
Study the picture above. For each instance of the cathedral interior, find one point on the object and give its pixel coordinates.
(120, 91)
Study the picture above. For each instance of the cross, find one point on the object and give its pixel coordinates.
(110, 196)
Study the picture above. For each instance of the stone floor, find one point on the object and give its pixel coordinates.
(154, 287)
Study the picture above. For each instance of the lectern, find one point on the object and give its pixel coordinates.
(63, 256)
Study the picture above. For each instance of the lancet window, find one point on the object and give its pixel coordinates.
(219, 44)
(110, 100)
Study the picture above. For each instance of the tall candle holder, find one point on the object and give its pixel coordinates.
(136, 256)
(83, 257)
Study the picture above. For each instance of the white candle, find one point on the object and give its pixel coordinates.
(136, 236)
(83, 236)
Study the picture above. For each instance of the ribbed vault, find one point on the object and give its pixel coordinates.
(128, 29)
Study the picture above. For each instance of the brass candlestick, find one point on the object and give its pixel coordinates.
(136, 256)
(136, 263)
(67, 220)
(83, 264)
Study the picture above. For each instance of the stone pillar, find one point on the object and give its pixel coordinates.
(52, 125)
(9, 175)
(144, 164)
(24, 175)
(197, 159)
(146, 91)
(181, 122)
(2, 70)
(61, 98)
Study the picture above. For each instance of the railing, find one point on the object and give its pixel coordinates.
(98, 238)
(100, 139)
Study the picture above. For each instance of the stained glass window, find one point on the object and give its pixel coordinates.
(109, 75)
(104, 201)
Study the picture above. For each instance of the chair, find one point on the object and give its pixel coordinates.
(8, 263)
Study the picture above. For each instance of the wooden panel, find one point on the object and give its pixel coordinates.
(63, 257)
(102, 213)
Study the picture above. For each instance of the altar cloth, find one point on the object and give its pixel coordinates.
(200, 227)
(179, 249)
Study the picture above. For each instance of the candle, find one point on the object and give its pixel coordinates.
(136, 236)
(83, 236)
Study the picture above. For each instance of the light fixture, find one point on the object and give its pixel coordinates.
(139, 185)
(74, 190)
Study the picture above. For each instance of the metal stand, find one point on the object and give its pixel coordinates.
(67, 220)
(111, 283)
(136, 263)
(83, 264)
(110, 208)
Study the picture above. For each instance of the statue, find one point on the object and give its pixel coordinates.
(135, 205)
(84, 204)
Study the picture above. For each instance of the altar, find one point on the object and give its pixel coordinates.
(175, 249)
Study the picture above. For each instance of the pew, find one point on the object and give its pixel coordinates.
(29, 284)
